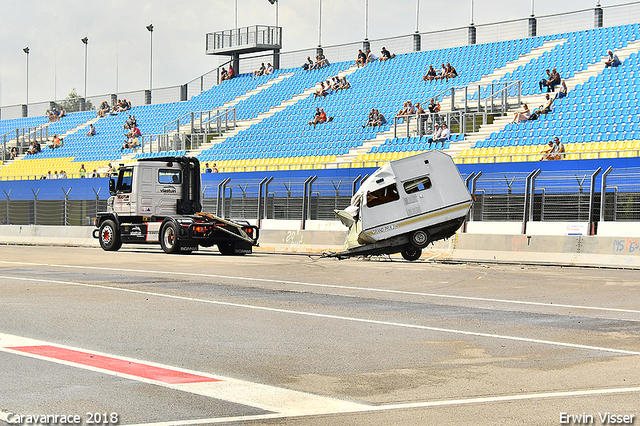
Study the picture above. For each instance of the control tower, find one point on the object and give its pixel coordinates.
(257, 38)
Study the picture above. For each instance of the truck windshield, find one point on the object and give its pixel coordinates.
(125, 180)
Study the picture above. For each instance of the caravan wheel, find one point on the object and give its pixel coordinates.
(419, 239)
(411, 253)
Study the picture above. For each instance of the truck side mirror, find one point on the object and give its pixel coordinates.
(112, 187)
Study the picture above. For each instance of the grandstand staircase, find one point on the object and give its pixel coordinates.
(245, 124)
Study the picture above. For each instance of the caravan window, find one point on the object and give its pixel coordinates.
(416, 185)
(383, 195)
(168, 176)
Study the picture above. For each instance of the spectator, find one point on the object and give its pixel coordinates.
(56, 142)
(451, 71)
(322, 91)
(443, 73)
(320, 117)
(371, 57)
(83, 171)
(386, 55)
(543, 109)
(50, 175)
(554, 80)
(308, 65)
(224, 75)
(132, 139)
(269, 69)
(445, 135)
(62, 175)
(92, 130)
(14, 153)
(419, 109)
(63, 114)
(430, 75)
(361, 60)
(260, 72)
(95, 174)
(231, 73)
(437, 132)
(433, 107)
(207, 169)
(55, 175)
(344, 84)
(336, 85)
(130, 123)
(371, 119)
(104, 109)
(563, 90)
(214, 169)
(110, 169)
(545, 81)
(321, 61)
(559, 150)
(523, 115)
(612, 60)
(380, 119)
(547, 153)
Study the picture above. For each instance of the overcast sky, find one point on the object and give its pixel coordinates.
(118, 49)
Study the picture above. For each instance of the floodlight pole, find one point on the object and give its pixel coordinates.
(150, 29)
(85, 41)
(26, 50)
(320, 25)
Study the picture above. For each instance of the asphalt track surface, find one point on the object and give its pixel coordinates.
(150, 338)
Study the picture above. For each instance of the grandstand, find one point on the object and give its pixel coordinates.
(598, 119)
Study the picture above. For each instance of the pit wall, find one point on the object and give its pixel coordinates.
(618, 244)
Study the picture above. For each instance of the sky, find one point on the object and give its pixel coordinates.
(118, 52)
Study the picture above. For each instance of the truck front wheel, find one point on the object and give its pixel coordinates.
(169, 238)
(411, 253)
(110, 236)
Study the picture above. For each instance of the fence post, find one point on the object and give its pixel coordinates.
(603, 193)
(532, 194)
(474, 180)
(259, 216)
(7, 194)
(466, 183)
(97, 198)
(35, 206)
(65, 219)
(306, 199)
(527, 194)
(220, 199)
(592, 226)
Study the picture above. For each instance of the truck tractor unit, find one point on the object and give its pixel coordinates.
(157, 201)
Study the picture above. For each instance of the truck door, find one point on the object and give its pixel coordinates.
(123, 201)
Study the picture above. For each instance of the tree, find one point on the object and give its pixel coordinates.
(72, 102)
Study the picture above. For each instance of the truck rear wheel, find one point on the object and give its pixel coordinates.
(110, 236)
(411, 253)
(169, 238)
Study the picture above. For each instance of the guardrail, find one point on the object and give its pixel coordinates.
(209, 122)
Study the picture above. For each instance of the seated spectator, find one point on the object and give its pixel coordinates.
(328, 87)
(380, 120)
(433, 107)
(430, 75)
(321, 61)
(130, 123)
(231, 73)
(371, 119)
(110, 169)
(92, 130)
(95, 174)
(545, 81)
(361, 60)
(50, 175)
(371, 57)
(62, 175)
(56, 142)
(308, 65)
(563, 90)
(442, 73)
(554, 80)
(14, 153)
(445, 135)
(322, 91)
(543, 109)
(419, 109)
(214, 169)
(224, 75)
(612, 60)
(411, 110)
(547, 153)
(559, 150)
(104, 109)
(132, 139)
(269, 69)
(336, 85)
(260, 72)
(451, 71)
(320, 117)
(522, 115)
(63, 114)
(437, 132)
(344, 84)
(55, 175)
(386, 55)
(207, 169)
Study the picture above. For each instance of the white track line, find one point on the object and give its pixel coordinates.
(412, 405)
(340, 287)
(327, 316)
(268, 398)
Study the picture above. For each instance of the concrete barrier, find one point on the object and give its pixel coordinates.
(574, 250)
